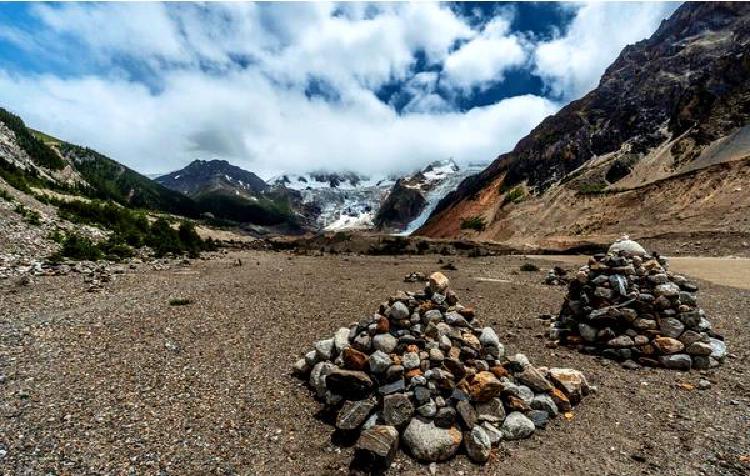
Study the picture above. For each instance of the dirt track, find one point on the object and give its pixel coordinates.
(121, 382)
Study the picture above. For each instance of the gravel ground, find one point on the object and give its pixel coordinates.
(123, 383)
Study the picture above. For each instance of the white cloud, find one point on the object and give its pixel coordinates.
(571, 65)
(486, 57)
(231, 81)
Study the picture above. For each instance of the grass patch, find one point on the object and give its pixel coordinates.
(476, 222)
(514, 195)
(180, 302)
(529, 267)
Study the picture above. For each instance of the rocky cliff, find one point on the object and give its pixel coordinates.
(668, 107)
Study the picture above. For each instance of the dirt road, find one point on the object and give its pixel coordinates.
(120, 382)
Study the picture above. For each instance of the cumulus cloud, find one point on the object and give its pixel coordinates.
(487, 56)
(572, 64)
(164, 84)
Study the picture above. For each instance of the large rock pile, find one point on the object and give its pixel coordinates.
(421, 371)
(626, 305)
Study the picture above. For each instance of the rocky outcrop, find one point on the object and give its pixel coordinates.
(205, 176)
(660, 110)
(403, 204)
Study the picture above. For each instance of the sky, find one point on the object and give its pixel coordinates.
(295, 87)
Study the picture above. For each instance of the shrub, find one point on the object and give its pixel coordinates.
(78, 247)
(515, 195)
(180, 302)
(476, 222)
(529, 267)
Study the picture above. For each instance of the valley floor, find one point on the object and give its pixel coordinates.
(120, 382)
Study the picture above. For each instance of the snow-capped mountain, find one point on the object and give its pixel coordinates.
(350, 201)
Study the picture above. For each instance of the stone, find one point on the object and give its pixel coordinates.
(620, 342)
(354, 359)
(718, 349)
(517, 362)
(398, 311)
(301, 367)
(561, 401)
(438, 282)
(427, 442)
(467, 414)
(341, 339)
(445, 417)
(539, 418)
(676, 361)
(668, 345)
(627, 247)
(544, 403)
(492, 411)
(318, 377)
(671, 327)
(376, 448)
(533, 379)
(493, 432)
(619, 284)
(379, 362)
(477, 444)
(703, 384)
(699, 348)
(324, 349)
(363, 342)
(410, 360)
(483, 386)
(311, 358)
(587, 332)
(667, 289)
(384, 343)
(428, 410)
(354, 413)
(351, 384)
(392, 387)
(397, 409)
(517, 426)
(572, 382)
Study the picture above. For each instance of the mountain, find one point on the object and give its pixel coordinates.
(29, 158)
(210, 176)
(661, 145)
(413, 197)
(230, 192)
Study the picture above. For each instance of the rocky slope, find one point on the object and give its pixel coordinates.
(210, 176)
(661, 145)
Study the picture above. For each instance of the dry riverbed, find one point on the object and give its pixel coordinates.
(121, 382)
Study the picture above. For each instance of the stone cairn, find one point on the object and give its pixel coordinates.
(626, 305)
(423, 373)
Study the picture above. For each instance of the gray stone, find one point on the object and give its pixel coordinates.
(492, 431)
(410, 360)
(376, 448)
(324, 349)
(445, 416)
(718, 349)
(467, 413)
(318, 377)
(433, 315)
(363, 342)
(676, 361)
(301, 367)
(397, 409)
(392, 387)
(341, 339)
(478, 445)
(517, 362)
(491, 411)
(453, 318)
(427, 442)
(398, 311)
(627, 247)
(540, 418)
(619, 284)
(517, 426)
(519, 391)
(587, 332)
(311, 358)
(354, 413)
(533, 379)
(699, 348)
(620, 342)
(544, 403)
(384, 342)
(379, 362)
(671, 327)
(667, 289)
(428, 410)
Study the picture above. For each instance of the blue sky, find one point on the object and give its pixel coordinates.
(296, 87)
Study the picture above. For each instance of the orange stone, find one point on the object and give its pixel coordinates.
(413, 373)
(516, 404)
(483, 386)
(562, 402)
(382, 325)
(354, 359)
(468, 312)
(499, 371)
(412, 348)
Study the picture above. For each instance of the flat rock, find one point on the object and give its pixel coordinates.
(427, 442)
(354, 413)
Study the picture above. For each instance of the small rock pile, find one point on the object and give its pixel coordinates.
(626, 305)
(422, 372)
(414, 277)
(556, 277)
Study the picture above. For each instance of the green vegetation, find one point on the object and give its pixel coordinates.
(476, 222)
(6, 196)
(39, 152)
(78, 247)
(33, 217)
(260, 212)
(130, 230)
(111, 180)
(529, 267)
(592, 188)
(514, 195)
(180, 302)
